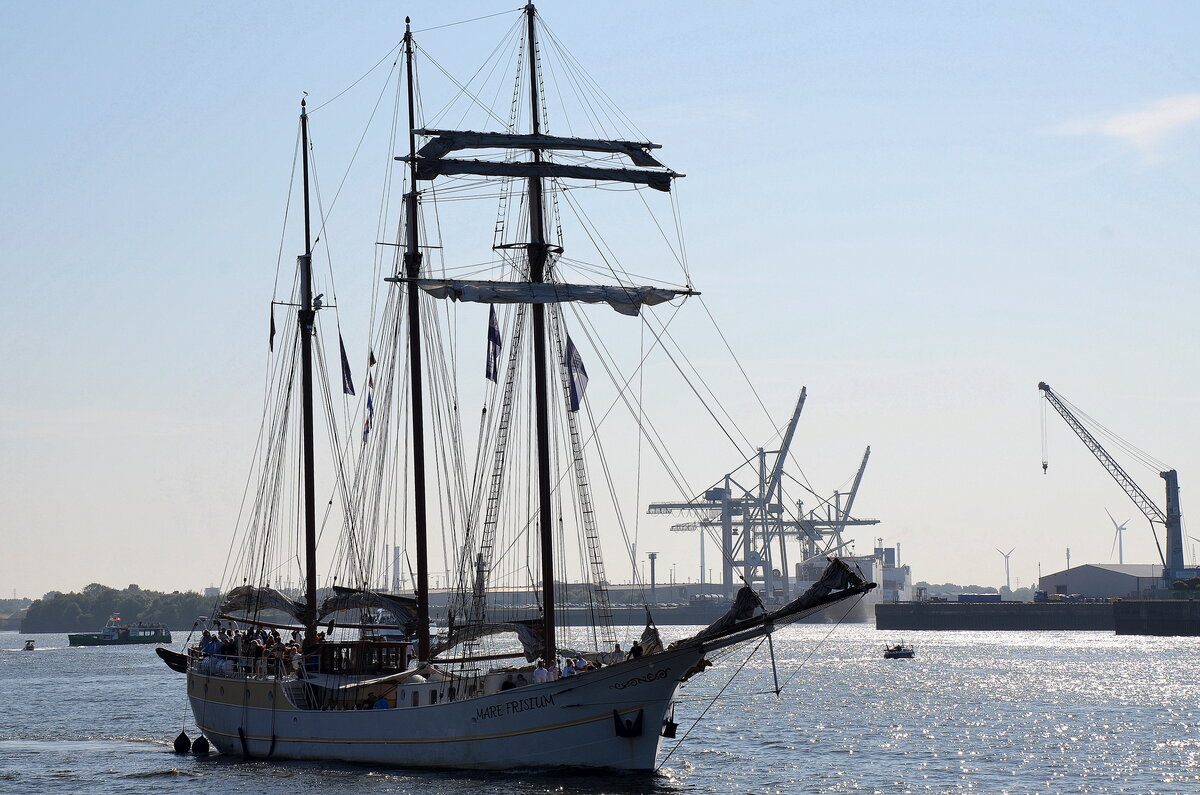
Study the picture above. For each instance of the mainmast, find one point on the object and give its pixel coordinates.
(412, 271)
(537, 255)
(307, 318)
(434, 159)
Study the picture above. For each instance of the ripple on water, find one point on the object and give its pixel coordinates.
(975, 711)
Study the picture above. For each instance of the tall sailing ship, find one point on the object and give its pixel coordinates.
(486, 690)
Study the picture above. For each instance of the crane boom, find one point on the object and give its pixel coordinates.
(853, 493)
(781, 457)
(1172, 520)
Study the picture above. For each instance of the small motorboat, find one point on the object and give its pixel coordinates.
(29, 645)
(900, 651)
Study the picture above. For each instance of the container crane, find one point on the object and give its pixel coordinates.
(759, 509)
(1171, 520)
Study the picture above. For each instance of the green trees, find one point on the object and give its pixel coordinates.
(87, 610)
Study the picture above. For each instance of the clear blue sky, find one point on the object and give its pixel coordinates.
(917, 210)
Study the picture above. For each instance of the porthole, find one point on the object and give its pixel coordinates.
(221, 692)
(247, 694)
(270, 695)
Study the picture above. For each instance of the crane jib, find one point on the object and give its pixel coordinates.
(1171, 519)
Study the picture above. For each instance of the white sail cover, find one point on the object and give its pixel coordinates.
(626, 300)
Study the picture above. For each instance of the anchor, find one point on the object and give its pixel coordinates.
(627, 728)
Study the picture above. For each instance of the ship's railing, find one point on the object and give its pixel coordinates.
(244, 666)
(356, 658)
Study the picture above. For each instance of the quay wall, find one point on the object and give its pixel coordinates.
(994, 616)
(1157, 617)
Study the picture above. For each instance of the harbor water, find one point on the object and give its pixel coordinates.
(991, 712)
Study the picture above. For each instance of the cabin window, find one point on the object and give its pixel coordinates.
(432, 696)
(416, 698)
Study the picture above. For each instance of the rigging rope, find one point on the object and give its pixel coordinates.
(714, 700)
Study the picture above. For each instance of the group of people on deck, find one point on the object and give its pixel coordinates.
(560, 669)
(254, 651)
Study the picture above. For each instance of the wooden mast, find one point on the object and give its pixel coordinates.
(307, 320)
(537, 254)
(412, 271)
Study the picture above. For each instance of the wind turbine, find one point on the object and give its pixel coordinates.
(1007, 579)
(1118, 538)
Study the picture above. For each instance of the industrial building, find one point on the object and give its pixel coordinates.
(1104, 580)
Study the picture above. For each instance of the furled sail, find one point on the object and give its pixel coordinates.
(445, 141)
(836, 583)
(402, 607)
(249, 599)
(743, 607)
(430, 161)
(528, 632)
(628, 300)
(431, 169)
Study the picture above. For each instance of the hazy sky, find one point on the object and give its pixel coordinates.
(917, 210)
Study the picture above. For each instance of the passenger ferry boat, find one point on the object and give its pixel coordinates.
(118, 633)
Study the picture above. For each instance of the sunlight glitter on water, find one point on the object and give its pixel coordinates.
(974, 712)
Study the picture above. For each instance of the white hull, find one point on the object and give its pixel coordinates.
(565, 723)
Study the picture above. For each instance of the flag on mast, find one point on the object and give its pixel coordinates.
(271, 339)
(493, 347)
(347, 381)
(576, 374)
(370, 416)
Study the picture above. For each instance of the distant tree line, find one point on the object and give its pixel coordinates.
(10, 606)
(88, 610)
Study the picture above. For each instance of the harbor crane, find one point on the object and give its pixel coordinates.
(1172, 520)
(752, 520)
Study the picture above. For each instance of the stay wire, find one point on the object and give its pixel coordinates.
(359, 80)
(714, 700)
(468, 21)
(802, 663)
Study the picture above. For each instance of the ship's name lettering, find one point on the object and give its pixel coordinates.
(510, 707)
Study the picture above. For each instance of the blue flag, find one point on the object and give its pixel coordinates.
(493, 347)
(347, 381)
(576, 374)
(370, 415)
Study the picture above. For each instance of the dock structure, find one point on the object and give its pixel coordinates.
(986, 616)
